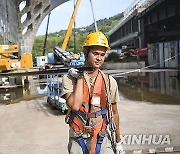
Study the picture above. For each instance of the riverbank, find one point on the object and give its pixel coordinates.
(32, 127)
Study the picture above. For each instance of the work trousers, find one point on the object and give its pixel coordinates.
(75, 148)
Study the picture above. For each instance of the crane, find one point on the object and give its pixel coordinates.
(60, 52)
(72, 21)
(69, 30)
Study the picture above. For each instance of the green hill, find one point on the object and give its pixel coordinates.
(56, 38)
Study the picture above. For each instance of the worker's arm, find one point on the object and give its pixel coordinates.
(74, 99)
(116, 119)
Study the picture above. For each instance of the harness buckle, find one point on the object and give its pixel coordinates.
(102, 134)
(88, 128)
(78, 134)
(86, 116)
(93, 115)
(89, 115)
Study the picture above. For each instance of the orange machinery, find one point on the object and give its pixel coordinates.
(9, 59)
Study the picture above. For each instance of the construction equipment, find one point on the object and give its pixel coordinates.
(54, 85)
(95, 24)
(69, 30)
(45, 40)
(54, 70)
(9, 59)
(72, 61)
(67, 58)
(54, 92)
(60, 55)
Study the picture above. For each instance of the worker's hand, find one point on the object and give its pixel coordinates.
(119, 148)
(75, 73)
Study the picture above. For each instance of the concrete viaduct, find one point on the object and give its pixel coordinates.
(19, 25)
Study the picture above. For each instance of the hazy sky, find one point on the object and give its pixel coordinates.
(61, 15)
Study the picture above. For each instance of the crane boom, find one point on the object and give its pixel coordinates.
(69, 30)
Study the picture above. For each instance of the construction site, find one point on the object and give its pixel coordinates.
(147, 43)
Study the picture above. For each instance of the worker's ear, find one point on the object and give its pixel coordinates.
(85, 51)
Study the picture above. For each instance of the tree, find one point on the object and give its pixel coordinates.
(56, 38)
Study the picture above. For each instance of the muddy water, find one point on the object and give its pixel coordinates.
(161, 87)
(28, 92)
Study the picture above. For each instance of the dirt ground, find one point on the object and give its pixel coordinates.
(32, 127)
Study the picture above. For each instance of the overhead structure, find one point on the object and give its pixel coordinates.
(20, 20)
(129, 29)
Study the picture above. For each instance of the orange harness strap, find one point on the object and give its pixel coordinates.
(93, 110)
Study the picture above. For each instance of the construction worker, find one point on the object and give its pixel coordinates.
(88, 96)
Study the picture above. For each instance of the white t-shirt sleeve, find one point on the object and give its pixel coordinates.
(67, 85)
(114, 97)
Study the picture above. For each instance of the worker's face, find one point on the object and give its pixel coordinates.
(96, 56)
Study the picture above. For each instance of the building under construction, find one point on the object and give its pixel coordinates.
(154, 24)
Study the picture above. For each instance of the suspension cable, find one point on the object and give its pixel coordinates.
(95, 24)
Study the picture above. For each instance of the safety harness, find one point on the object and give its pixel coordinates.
(92, 115)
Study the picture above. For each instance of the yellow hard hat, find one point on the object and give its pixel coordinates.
(96, 38)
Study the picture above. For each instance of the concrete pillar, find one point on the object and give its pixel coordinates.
(37, 11)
